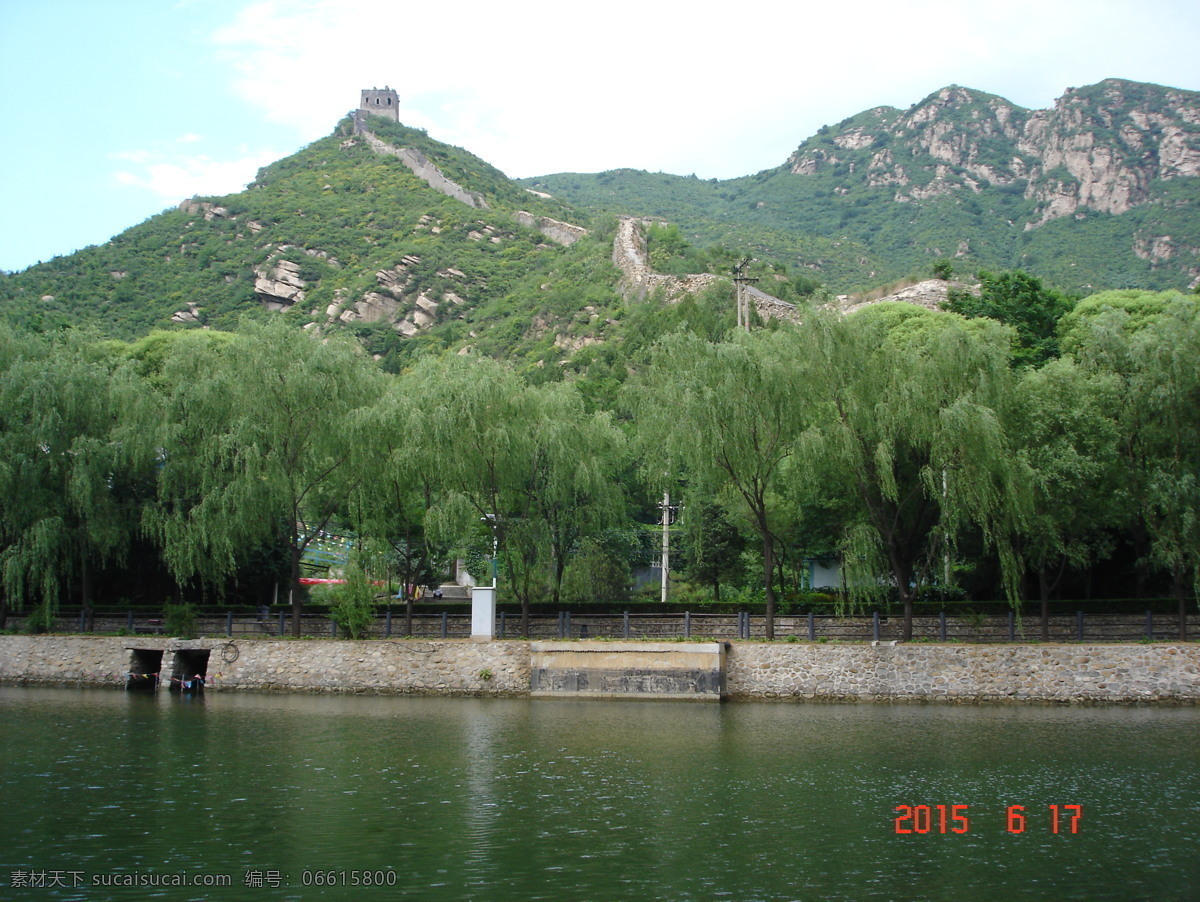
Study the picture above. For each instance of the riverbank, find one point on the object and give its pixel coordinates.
(1064, 673)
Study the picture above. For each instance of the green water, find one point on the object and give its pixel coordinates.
(525, 800)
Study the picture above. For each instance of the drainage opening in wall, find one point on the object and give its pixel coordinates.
(145, 664)
(190, 670)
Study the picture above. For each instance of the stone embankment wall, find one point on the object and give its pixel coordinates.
(797, 671)
(1064, 673)
(414, 666)
(461, 667)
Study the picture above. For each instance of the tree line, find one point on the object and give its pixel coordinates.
(999, 451)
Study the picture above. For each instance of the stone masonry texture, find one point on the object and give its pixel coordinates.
(1066, 673)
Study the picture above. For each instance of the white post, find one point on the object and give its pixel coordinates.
(483, 612)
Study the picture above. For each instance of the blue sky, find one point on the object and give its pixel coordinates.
(110, 113)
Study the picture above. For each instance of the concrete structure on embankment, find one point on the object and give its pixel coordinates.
(1066, 673)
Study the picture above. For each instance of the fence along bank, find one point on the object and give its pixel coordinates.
(1069, 624)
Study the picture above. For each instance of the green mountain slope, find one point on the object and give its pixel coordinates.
(414, 245)
(1099, 191)
(339, 235)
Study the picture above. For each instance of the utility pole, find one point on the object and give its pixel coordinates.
(666, 546)
(739, 285)
(668, 517)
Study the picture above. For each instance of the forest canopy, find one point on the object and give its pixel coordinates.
(935, 455)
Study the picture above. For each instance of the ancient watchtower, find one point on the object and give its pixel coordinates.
(378, 102)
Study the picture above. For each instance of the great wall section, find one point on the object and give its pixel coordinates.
(638, 279)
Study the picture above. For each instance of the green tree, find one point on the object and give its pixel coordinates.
(260, 447)
(1065, 430)
(469, 429)
(1021, 301)
(915, 444)
(1155, 361)
(354, 603)
(74, 466)
(596, 574)
(1139, 307)
(398, 489)
(572, 483)
(729, 414)
(529, 462)
(712, 545)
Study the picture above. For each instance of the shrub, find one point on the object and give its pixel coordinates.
(179, 620)
(40, 619)
(353, 605)
(595, 575)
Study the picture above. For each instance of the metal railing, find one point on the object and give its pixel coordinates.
(996, 628)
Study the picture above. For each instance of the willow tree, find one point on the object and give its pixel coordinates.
(1065, 429)
(75, 466)
(571, 484)
(915, 440)
(1150, 345)
(392, 502)
(730, 415)
(468, 430)
(259, 448)
(530, 463)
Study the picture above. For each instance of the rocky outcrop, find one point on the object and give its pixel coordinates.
(209, 210)
(425, 170)
(371, 308)
(931, 294)
(397, 300)
(1160, 250)
(1077, 169)
(1099, 148)
(188, 317)
(278, 285)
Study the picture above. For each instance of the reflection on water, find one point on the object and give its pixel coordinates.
(573, 800)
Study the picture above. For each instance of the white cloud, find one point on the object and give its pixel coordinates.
(174, 178)
(134, 156)
(537, 86)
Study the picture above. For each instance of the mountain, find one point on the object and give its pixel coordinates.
(415, 245)
(1099, 191)
(377, 228)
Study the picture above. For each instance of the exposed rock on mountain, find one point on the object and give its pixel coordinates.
(1099, 190)
(1099, 148)
(930, 293)
(280, 286)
